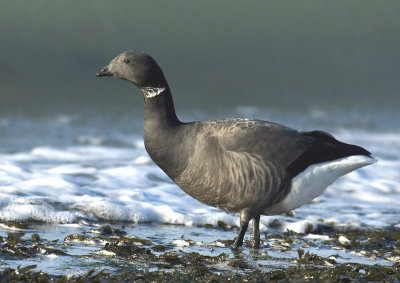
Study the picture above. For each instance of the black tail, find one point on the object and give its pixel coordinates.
(323, 148)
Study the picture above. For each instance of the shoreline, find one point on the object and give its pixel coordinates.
(118, 251)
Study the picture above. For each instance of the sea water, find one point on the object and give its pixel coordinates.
(69, 173)
(49, 176)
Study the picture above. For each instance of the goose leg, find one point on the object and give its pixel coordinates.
(244, 223)
(255, 236)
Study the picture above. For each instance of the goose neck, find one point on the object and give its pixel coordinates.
(159, 110)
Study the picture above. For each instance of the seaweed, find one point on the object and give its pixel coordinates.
(141, 260)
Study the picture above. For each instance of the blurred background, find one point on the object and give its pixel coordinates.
(304, 63)
(294, 54)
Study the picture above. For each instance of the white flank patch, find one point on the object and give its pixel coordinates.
(150, 92)
(315, 179)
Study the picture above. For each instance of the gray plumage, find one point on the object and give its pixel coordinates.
(238, 165)
(232, 157)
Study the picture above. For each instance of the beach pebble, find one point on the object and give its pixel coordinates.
(343, 240)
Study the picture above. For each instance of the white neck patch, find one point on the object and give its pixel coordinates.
(150, 92)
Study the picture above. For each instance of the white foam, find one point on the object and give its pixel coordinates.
(35, 212)
(71, 169)
(143, 160)
(51, 153)
(181, 243)
(317, 237)
(89, 181)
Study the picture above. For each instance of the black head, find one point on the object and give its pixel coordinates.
(136, 67)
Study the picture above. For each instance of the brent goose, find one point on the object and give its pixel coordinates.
(240, 165)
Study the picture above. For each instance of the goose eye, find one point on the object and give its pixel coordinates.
(127, 61)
